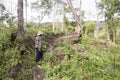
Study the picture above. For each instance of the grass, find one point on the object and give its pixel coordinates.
(95, 59)
(102, 63)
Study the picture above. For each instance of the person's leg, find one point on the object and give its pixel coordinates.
(41, 54)
(37, 56)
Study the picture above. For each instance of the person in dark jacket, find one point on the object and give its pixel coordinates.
(39, 52)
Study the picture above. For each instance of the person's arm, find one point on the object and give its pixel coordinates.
(39, 44)
(36, 42)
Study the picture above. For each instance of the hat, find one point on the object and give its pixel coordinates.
(39, 33)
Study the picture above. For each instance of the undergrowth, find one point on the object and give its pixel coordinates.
(96, 59)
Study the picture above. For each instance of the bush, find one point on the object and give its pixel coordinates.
(88, 28)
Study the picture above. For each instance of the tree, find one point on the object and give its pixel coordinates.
(53, 17)
(63, 16)
(43, 7)
(96, 27)
(76, 17)
(110, 8)
(58, 9)
(20, 29)
(80, 11)
(2, 9)
(6, 16)
(26, 9)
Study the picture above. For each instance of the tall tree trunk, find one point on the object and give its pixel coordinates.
(63, 16)
(107, 31)
(76, 17)
(54, 14)
(80, 11)
(2, 9)
(11, 5)
(96, 27)
(41, 18)
(20, 30)
(26, 9)
(80, 16)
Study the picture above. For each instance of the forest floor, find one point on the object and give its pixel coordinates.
(64, 58)
(98, 48)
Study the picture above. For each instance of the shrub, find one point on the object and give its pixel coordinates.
(88, 28)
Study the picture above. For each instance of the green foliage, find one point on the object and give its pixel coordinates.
(66, 49)
(67, 23)
(88, 28)
(99, 65)
(96, 60)
(4, 37)
(110, 8)
(71, 28)
(100, 61)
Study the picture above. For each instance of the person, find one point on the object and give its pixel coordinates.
(39, 52)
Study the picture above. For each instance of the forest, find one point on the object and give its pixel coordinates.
(73, 47)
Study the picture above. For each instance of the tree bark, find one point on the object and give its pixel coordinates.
(54, 14)
(96, 27)
(20, 29)
(76, 17)
(63, 15)
(80, 11)
(26, 9)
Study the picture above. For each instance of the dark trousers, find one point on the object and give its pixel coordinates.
(39, 55)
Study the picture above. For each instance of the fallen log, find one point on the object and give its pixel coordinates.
(71, 39)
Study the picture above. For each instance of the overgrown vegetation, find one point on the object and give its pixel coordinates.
(90, 59)
(68, 55)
